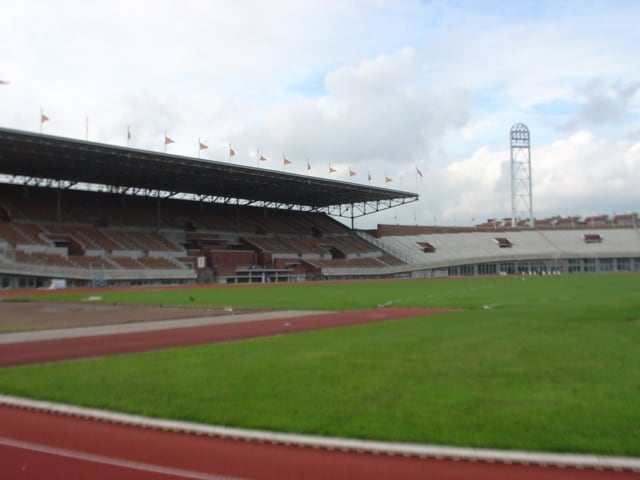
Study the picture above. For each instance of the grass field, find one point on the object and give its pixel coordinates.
(535, 363)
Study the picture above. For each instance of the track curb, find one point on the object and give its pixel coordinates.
(560, 460)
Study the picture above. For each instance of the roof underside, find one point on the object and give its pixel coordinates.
(36, 156)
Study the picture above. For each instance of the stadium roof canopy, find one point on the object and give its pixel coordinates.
(45, 160)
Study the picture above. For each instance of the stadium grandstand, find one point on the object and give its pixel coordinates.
(552, 246)
(94, 214)
(90, 214)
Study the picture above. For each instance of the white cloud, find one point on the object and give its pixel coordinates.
(603, 103)
(583, 174)
(376, 113)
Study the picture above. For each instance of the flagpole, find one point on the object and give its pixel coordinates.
(41, 117)
(199, 147)
(86, 131)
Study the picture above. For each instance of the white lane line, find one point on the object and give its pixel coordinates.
(135, 327)
(329, 443)
(114, 462)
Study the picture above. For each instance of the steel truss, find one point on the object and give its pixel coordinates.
(347, 210)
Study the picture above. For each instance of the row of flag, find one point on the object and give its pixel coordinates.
(261, 158)
(286, 161)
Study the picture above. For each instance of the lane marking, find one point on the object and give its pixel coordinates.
(542, 459)
(114, 462)
(151, 326)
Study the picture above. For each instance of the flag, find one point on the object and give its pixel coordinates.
(369, 176)
(232, 152)
(285, 160)
(308, 165)
(331, 170)
(4, 82)
(351, 172)
(43, 118)
(387, 179)
(262, 158)
(128, 134)
(418, 172)
(202, 145)
(168, 140)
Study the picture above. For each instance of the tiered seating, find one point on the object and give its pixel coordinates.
(267, 221)
(127, 263)
(97, 238)
(161, 243)
(390, 260)
(157, 262)
(220, 219)
(614, 242)
(366, 262)
(325, 223)
(33, 232)
(83, 261)
(12, 235)
(269, 244)
(346, 244)
(39, 258)
(350, 244)
(139, 240)
(130, 216)
(76, 207)
(91, 227)
(482, 246)
(38, 205)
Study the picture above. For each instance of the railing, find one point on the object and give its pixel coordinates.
(89, 273)
(385, 248)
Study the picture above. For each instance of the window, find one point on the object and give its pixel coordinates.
(426, 247)
(592, 238)
(606, 264)
(487, 269)
(503, 242)
(624, 264)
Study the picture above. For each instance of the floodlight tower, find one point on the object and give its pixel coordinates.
(521, 193)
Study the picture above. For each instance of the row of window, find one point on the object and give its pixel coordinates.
(551, 266)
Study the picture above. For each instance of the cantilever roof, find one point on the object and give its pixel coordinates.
(63, 159)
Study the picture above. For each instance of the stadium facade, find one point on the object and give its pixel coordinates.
(95, 214)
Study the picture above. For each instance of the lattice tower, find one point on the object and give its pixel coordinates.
(521, 192)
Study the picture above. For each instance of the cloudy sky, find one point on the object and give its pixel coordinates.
(384, 87)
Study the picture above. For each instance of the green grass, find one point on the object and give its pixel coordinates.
(544, 363)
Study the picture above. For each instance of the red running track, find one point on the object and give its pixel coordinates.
(35, 445)
(93, 346)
